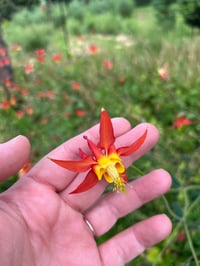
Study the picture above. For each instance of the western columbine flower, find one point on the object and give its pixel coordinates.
(24, 91)
(57, 58)
(163, 72)
(105, 161)
(2, 51)
(13, 101)
(107, 64)
(26, 167)
(181, 121)
(29, 110)
(6, 61)
(81, 113)
(76, 86)
(40, 53)
(29, 68)
(19, 114)
(93, 49)
(5, 105)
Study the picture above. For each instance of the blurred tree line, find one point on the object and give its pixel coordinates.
(165, 11)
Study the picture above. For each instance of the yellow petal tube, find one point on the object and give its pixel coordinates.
(110, 168)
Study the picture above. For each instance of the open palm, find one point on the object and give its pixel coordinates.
(42, 224)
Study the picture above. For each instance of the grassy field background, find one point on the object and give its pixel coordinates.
(64, 74)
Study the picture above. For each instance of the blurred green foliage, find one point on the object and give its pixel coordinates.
(8, 8)
(165, 13)
(191, 12)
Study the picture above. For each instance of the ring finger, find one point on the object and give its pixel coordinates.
(115, 205)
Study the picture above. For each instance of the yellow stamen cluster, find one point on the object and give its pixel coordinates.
(110, 167)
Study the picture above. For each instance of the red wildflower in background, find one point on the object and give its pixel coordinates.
(104, 161)
(163, 72)
(41, 59)
(29, 110)
(5, 105)
(25, 169)
(57, 58)
(6, 61)
(93, 49)
(181, 121)
(40, 53)
(29, 68)
(76, 86)
(15, 86)
(2, 52)
(107, 64)
(8, 82)
(181, 237)
(81, 113)
(13, 101)
(19, 114)
(24, 91)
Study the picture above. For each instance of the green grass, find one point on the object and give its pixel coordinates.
(132, 88)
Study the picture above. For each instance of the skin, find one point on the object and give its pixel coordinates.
(42, 224)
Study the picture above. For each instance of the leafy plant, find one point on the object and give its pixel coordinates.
(124, 8)
(191, 12)
(165, 13)
(76, 10)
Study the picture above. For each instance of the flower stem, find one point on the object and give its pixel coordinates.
(190, 243)
(137, 170)
(172, 213)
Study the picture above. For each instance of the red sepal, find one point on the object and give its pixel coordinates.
(128, 150)
(107, 137)
(76, 166)
(94, 148)
(90, 181)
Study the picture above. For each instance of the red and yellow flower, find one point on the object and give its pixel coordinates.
(105, 159)
(181, 121)
(26, 167)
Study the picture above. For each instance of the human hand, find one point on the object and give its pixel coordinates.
(42, 224)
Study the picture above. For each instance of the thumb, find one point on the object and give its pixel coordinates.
(13, 155)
